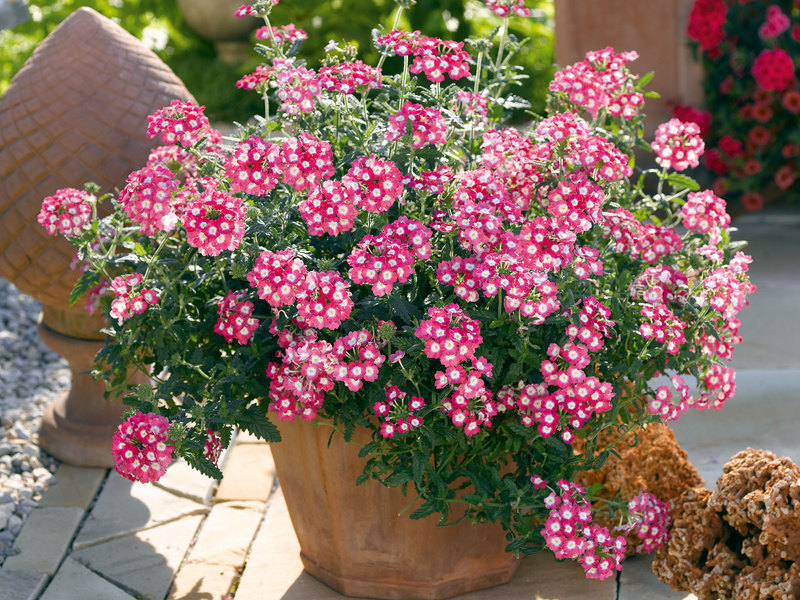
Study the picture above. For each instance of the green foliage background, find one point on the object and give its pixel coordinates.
(212, 81)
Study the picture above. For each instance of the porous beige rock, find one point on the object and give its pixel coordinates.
(741, 541)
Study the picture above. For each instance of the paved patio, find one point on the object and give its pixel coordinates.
(98, 536)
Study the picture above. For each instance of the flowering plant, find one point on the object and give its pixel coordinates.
(380, 252)
(749, 52)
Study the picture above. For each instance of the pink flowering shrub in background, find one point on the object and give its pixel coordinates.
(750, 52)
(382, 252)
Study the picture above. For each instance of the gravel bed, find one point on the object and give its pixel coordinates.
(31, 377)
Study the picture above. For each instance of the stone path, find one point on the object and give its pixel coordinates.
(98, 536)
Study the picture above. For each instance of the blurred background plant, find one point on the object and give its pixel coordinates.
(161, 26)
(750, 52)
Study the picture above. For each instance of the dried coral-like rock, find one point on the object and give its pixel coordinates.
(741, 541)
(657, 465)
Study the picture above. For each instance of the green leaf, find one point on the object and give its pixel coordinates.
(423, 511)
(677, 180)
(89, 279)
(254, 421)
(645, 79)
(205, 466)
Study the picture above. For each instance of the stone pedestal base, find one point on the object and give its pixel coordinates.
(77, 428)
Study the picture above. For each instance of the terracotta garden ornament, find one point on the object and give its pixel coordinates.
(75, 112)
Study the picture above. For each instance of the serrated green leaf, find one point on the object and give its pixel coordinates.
(423, 511)
(255, 421)
(89, 279)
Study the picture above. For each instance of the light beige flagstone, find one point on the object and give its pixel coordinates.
(637, 582)
(146, 561)
(226, 533)
(248, 474)
(44, 539)
(124, 507)
(73, 581)
(202, 582)
(74, 486)
(183, 480)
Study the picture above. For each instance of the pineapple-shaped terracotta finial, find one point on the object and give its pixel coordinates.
(75, 112)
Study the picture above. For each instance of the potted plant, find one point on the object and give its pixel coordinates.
(377, 264)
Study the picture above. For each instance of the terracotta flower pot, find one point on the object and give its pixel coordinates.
(353, 539)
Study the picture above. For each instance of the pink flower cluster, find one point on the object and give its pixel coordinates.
(594, 324)
(306, 161)
(278, 277)
(303, 375)
(324, 301)
(600, 80)
(704, 211)
(449, 335)
(147, 199)
(678, 145)
(707, 23)
(214, 222)
(348, 77)
(569, 533)
(399, 415)
(773, 69)
(651, 520)
(285, 34)
(330, 207)
(427, 125)
(578, 201)
(388, 258)
(367, 364)
(432, 56)
(213, 447)
(429, 182)
(379, 181)
(662, 326)
(777, 22)
(140, 447)
(254, 166)
(504, 8)
(661, 284)
(68, 212)
(663, 405)
(235, 318)
(452, 337)
(131, 299)
(297, 86)
(646, 240)
(181, 123)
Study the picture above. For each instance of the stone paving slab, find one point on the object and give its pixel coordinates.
(182, 480)
(226, 533)
(638, 582)
(203, 582)
(73, 581)
(74, 486)
(764, 414)
(145, 561)
(248, 475)
(44, 539)
(274, 570)
(124, 507)
(21, 585)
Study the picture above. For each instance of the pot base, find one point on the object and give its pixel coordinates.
(358, 539)
(408, 589)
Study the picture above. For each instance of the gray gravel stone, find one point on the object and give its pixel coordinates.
(31, 377)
